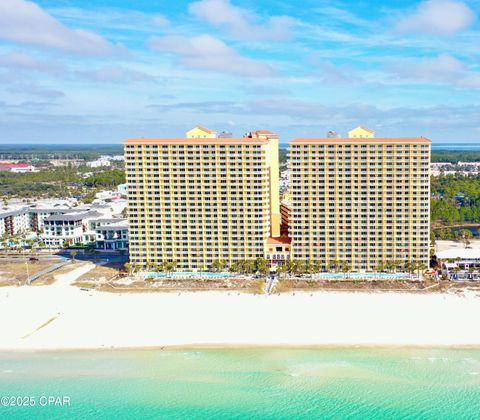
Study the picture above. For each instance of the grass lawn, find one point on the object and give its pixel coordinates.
(15, 273)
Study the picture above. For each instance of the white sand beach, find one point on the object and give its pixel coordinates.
(64, 317)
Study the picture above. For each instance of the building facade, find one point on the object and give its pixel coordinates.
(198, 199)
(112, 235)
(360, 201)
(14, 222)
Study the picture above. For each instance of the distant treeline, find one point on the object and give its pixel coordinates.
(60, 182)
(437, 156)
(109, 179)
(53, 152)
(93, 151)
(454, 157)
(456, 199)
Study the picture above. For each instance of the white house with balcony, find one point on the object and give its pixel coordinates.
(112, 235)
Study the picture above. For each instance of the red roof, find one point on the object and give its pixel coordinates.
(15, 165)
(281, 240)
(217, 140)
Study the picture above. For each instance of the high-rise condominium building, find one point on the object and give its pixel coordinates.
(360, 201)
(199, 199)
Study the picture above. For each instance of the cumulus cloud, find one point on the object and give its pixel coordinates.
(111, 74)
(25, 22)
(240, 22)
(438, 17)
(397, 121)
(21, 61)
(33, 89)
(160, 20)
(441, 68)
(215, 107)
(208, 53)
(444, 69)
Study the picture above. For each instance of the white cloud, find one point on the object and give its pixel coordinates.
(33, 89)
(208, 53)
(438, 17)
(21, 61)
(240, 22)
(341, 15)
(25, 22)
(160, 20)
(113, 74)
(444, 69)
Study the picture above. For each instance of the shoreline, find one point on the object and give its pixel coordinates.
(253, 347)
(61, 317)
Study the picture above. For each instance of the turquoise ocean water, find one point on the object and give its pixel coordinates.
(246, 383)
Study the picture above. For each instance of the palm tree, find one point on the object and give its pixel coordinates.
(420, 266)
(389, 265)
(310, 267)
(261, 266)
(410, 266)
(299, 266)
(130, 267)
(281, 269)
(240, 266)
(249, 266)
(218, 265)
(335, 265)
(396, 264)
(466, 236)
(381, 266)
(289, 266)
(346, 268)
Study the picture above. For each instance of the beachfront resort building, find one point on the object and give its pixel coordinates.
(361, 201)
(202, 198)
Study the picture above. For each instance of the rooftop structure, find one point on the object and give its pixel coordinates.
(361, 132)
(200, 131)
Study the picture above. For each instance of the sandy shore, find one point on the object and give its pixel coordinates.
(63, 317)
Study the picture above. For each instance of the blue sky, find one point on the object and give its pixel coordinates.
(101, 71)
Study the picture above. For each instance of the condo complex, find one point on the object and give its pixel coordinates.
(357, 201)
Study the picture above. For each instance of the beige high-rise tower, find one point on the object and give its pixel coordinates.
(361, 202)
(200, 199)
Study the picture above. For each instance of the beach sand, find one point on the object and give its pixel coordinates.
(64, 317)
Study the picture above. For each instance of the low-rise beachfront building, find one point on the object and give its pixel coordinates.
(38, 216)
(69, 229)
(460, 263)
(14, 222)
(112, 235)
(361, 201)
(278, 250)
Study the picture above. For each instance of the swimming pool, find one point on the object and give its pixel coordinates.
(363, 275)
(188, 274)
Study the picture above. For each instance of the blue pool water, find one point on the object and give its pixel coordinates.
(365, 275)
(186, 274)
